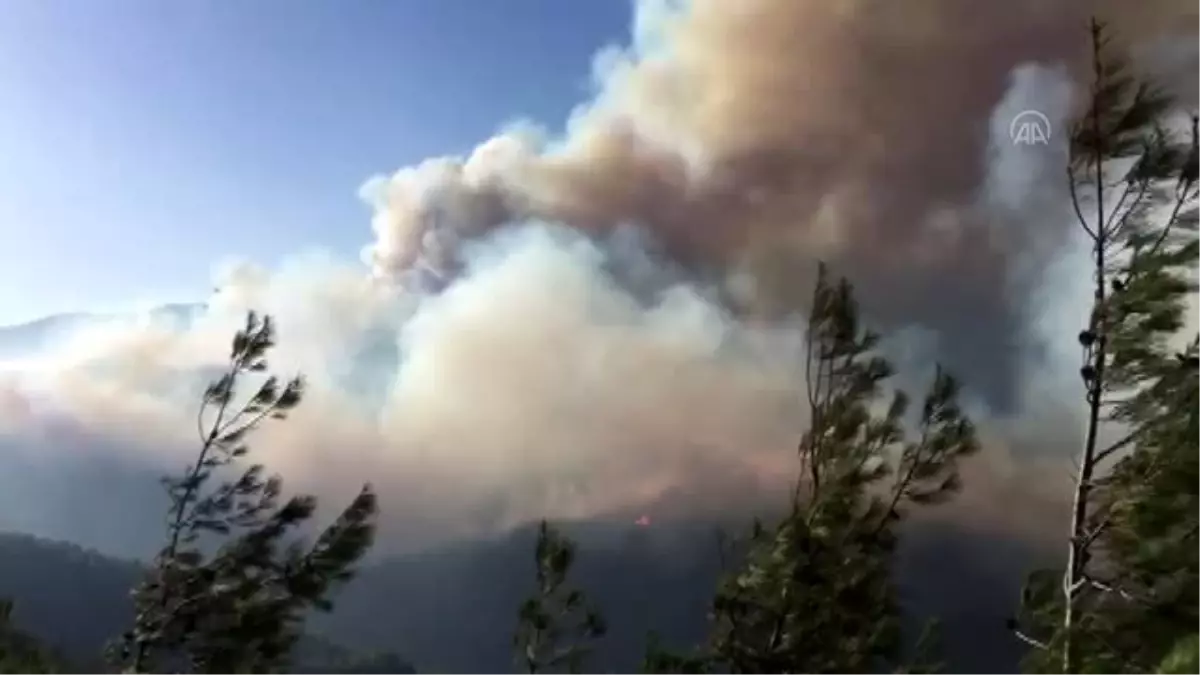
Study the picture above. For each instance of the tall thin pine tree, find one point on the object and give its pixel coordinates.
(814, 592)
(229, 591)
(1127, 593)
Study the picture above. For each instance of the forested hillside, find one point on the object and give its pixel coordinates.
(75, 601)
(458, 601)
(471, 590)
(71, 598)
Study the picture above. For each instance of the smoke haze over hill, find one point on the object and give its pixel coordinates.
(604, 322)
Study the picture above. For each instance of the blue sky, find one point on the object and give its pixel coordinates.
(142, 141)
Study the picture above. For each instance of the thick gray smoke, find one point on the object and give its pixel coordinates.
(605, 321)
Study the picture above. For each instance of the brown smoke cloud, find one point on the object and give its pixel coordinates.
(847, 130)
(750, 138)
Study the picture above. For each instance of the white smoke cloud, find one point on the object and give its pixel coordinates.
(535, 384)
(562, 326)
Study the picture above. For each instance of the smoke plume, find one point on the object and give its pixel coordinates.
(576, 324)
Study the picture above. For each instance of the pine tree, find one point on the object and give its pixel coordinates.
(555, 625)
(814, 592)
(1128, 592)
(229, 591)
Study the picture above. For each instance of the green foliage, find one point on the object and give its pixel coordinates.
(240, 608)
(1129, 592)
(1183, 658)
(555, 625)
(814, 592)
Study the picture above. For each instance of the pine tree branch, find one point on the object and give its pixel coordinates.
(1108, 228)
(1180, 200)
(902, 484)
(1076, 205)
(1110, 588)
(1029, 640)
(1095, 532)
(780, 618)
(252, 422)
(1117, 446)
(1183, 194)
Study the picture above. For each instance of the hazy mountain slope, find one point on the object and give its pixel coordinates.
(28, 338)
(75, 600)
(25, 339)
(86, 496)
(71, 598)
(454, 609)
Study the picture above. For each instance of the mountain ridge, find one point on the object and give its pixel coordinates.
(28, 337)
